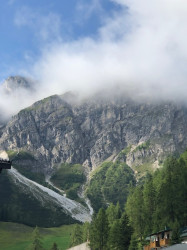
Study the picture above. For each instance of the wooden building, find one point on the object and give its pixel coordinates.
(158, 240)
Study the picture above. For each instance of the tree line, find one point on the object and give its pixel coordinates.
(157, 202)
(37, 243)
(109, 230)
(161, 200)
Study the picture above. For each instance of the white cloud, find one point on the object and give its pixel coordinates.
(88, 9)
(45, 27)
(142, 47)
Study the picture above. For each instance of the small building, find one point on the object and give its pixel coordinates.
(5, 164)
(158, 240)
(161, 239)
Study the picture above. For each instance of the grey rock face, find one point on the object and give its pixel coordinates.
(59, 129)
(14, 83)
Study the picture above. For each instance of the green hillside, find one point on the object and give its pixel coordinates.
(69, 178)
(110, 183)
(18, 237)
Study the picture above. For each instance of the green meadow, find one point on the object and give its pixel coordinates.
(15, 236)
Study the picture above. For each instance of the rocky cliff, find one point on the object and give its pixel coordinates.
(64, 129)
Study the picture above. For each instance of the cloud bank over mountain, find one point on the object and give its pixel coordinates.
(141, 47)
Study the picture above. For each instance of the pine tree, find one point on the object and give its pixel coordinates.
(54, 247)
(125, 232)
(86, 228)
(149, 201)
(37, 242)
(133, 243)
(135, 211)
(110, 212)
(120, 234)
(175, 239)
(99, 231)
(113, 213)
(76, 236)
(114, 236)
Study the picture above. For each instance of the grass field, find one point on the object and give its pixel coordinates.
(18, 237)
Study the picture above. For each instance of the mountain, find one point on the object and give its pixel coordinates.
(16, 83)
(16, 93)
(110, 135)
(57, 130)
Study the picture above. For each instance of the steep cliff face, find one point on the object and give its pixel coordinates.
(60, 129)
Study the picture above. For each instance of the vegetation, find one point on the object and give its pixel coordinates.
(158, 201)
(109, 230)
(17, 155)
(20, 237)
(17, 206)
(142, 170)
(38, 104)
(36, 242)
(69, 178)
(23, 162)
(161, 200)
(122, 155)
(144, 146)
(110, 184)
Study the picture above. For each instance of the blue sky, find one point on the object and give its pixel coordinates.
(88, 45)
(28, 26)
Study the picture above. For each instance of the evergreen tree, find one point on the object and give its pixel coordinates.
(135, 211)
(99, 231)
(86, 228)
(182, 192)
(171, 194)
(175, 239)
(118, 211)
(125, 232)
(120, 234)
(37, 242)
(149, 201)
(133, 243)
(114, 236)
(76, 236)
(54, 247)
(113, 213)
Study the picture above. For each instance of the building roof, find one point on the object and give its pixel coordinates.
(167, 229)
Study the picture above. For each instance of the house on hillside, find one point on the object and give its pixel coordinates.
(161, 239)
(158, 240)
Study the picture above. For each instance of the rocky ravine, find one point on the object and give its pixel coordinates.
(60, 129)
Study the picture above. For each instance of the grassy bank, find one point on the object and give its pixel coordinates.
(18, 237)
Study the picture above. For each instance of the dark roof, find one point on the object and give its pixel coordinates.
(167, 229)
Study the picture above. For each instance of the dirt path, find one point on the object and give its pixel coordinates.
(83, 246)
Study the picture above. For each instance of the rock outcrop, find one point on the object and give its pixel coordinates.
(62, 129)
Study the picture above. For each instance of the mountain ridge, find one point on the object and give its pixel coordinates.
(89, 132)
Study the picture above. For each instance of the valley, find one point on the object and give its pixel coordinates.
(72, 157)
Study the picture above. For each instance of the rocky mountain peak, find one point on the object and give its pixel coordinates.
(57, 130)
(14, 83)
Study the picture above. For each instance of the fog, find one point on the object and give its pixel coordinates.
(142, 48)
